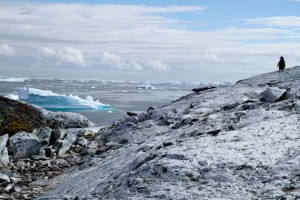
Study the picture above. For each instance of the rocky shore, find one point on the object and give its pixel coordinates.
(227, 142)
(36, 145)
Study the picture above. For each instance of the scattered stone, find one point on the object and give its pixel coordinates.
(9, 188)
(272, 94)
(55, 168)
(81, 141)
(89, 135)
(17, 189)
(24, 145)
(62, 146)
(4, 159)
(15, 180)
(4, 179)
(93, 145)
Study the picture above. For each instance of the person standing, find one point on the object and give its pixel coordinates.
(281, 64)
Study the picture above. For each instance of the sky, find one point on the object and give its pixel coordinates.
(157, 40)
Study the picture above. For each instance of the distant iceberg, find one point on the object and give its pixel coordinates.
(147, 86)
(52, 101)
(17, 80)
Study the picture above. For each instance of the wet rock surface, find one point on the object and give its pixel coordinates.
(222, 143)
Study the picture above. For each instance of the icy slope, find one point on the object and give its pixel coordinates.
(220, 143)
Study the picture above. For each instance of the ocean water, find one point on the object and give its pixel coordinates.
(121, 96)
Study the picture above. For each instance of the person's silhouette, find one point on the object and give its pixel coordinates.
(281, 64)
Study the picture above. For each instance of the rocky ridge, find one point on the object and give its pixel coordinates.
(228, 142)
(233, 142)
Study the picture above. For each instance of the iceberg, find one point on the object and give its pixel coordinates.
(147, 86)
(52, 101)
(16, 80)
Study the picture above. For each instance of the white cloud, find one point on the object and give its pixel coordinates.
(67, 54)
(116, 61)
(7, 50)
(282, 21)
(157, 65)
(143, 38)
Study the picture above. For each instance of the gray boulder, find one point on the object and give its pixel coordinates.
(66, 120)
(272, 94)
(24, 145)
(81, 141)
(4, 159)
(44, 136)
(62, 146)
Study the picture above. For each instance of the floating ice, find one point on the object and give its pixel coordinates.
(18, 80)
(52, 101)
(147, 86)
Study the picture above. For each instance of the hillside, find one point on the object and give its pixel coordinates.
(228, 142)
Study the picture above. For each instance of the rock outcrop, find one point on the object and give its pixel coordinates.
(16, 116)
(219, 143)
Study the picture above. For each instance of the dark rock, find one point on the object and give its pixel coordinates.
(50, 151)
(24, 145)
(150, 109)
(200, 89)
(57, 134)
(230, 106)
(135, 113)
(4, 159)
(17, 116)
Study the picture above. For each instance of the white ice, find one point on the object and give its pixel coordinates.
(50, 100)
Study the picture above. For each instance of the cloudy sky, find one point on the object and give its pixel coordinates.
(162, 40)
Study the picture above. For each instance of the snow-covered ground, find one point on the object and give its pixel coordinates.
(221, 143)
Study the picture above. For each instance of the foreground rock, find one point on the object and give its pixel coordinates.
(273, 94)
(37, 147)
(4, 159)
(221, 143)
(16, 116)
(35, 159)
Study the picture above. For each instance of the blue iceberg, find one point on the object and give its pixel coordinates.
(52, 101)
